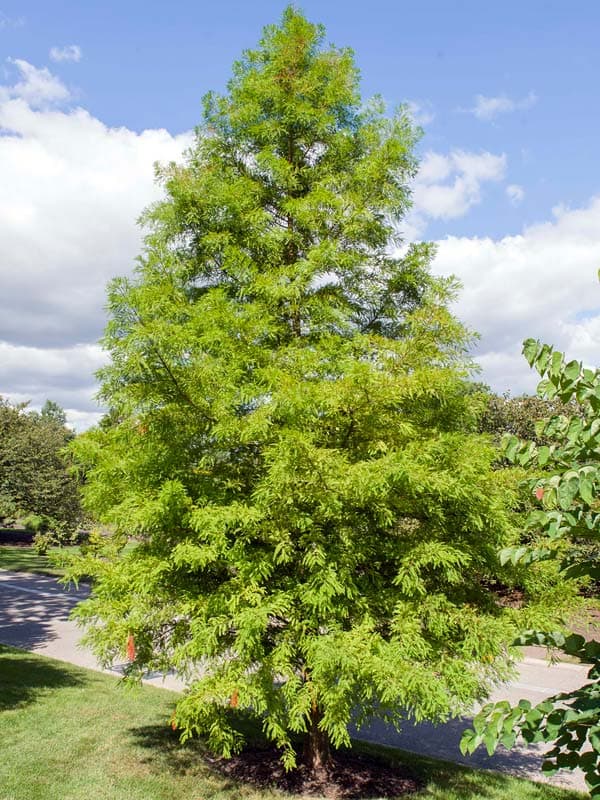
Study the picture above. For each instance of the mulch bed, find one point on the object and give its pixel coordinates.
(349, 776)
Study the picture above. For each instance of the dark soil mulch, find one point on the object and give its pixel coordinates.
(348, 775)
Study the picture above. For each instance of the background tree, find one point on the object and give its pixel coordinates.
(520, 415)
(565, 462)
(290, 438)
(34, 475)
(52, 412)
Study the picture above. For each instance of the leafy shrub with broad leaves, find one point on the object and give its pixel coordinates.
(565, 482)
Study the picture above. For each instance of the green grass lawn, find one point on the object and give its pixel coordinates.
(69, 733)
(23, 558)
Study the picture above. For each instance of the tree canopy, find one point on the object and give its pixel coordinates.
(34, 475)
(290, 439)
(522, 415)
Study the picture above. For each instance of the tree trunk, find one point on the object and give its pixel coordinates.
(317, 752)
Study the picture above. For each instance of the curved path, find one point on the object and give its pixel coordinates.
(34, 615)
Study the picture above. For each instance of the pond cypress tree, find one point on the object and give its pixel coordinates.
(289, 436)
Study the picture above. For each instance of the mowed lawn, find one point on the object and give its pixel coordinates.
(73, 734)
(23, 558)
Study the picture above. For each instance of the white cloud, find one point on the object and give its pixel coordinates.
(38, 88)
(70, 194)
(447, 186)
(60, 364)
(421, 112)
(541, 283)
(65, 375)
(515, 193)
(70, 52)
(487, 108)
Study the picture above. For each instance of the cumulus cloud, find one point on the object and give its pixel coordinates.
(65, 375)
(488, 108)
(70, 52)
(71, 192)
(36, 87)
(541, 283)
(515, 193)
(447, 186)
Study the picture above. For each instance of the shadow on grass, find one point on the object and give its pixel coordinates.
(442, 779)
(21, 557)
(24, 678)
(166, 754)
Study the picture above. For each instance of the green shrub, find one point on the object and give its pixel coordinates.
(42, 542)
(8, 510)
(36, 523)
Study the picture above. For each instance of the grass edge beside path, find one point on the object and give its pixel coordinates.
(23, 558)
(72, 733)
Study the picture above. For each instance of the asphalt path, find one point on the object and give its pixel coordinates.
(34, 615)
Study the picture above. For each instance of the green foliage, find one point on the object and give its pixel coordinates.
(519, 416)
(42, 542)
(8, 510)
(93, 543)
(45, 530)
(567, 516)
(52, 412)
(290, 437)
(36, 523)
(34, 471)
(508, 419)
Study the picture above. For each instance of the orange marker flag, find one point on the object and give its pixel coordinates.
(130, 648)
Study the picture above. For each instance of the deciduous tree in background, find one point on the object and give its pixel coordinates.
(520, 415)
(291, 438)
(34, 475)
(52, 412)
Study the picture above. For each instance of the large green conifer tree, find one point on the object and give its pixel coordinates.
(290, 437)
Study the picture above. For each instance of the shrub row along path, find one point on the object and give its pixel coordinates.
(34, 615)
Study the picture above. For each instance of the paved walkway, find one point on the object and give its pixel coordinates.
(34, 615)
(537, 680)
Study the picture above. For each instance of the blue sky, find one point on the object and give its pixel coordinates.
(147, 64)
(507, 94)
